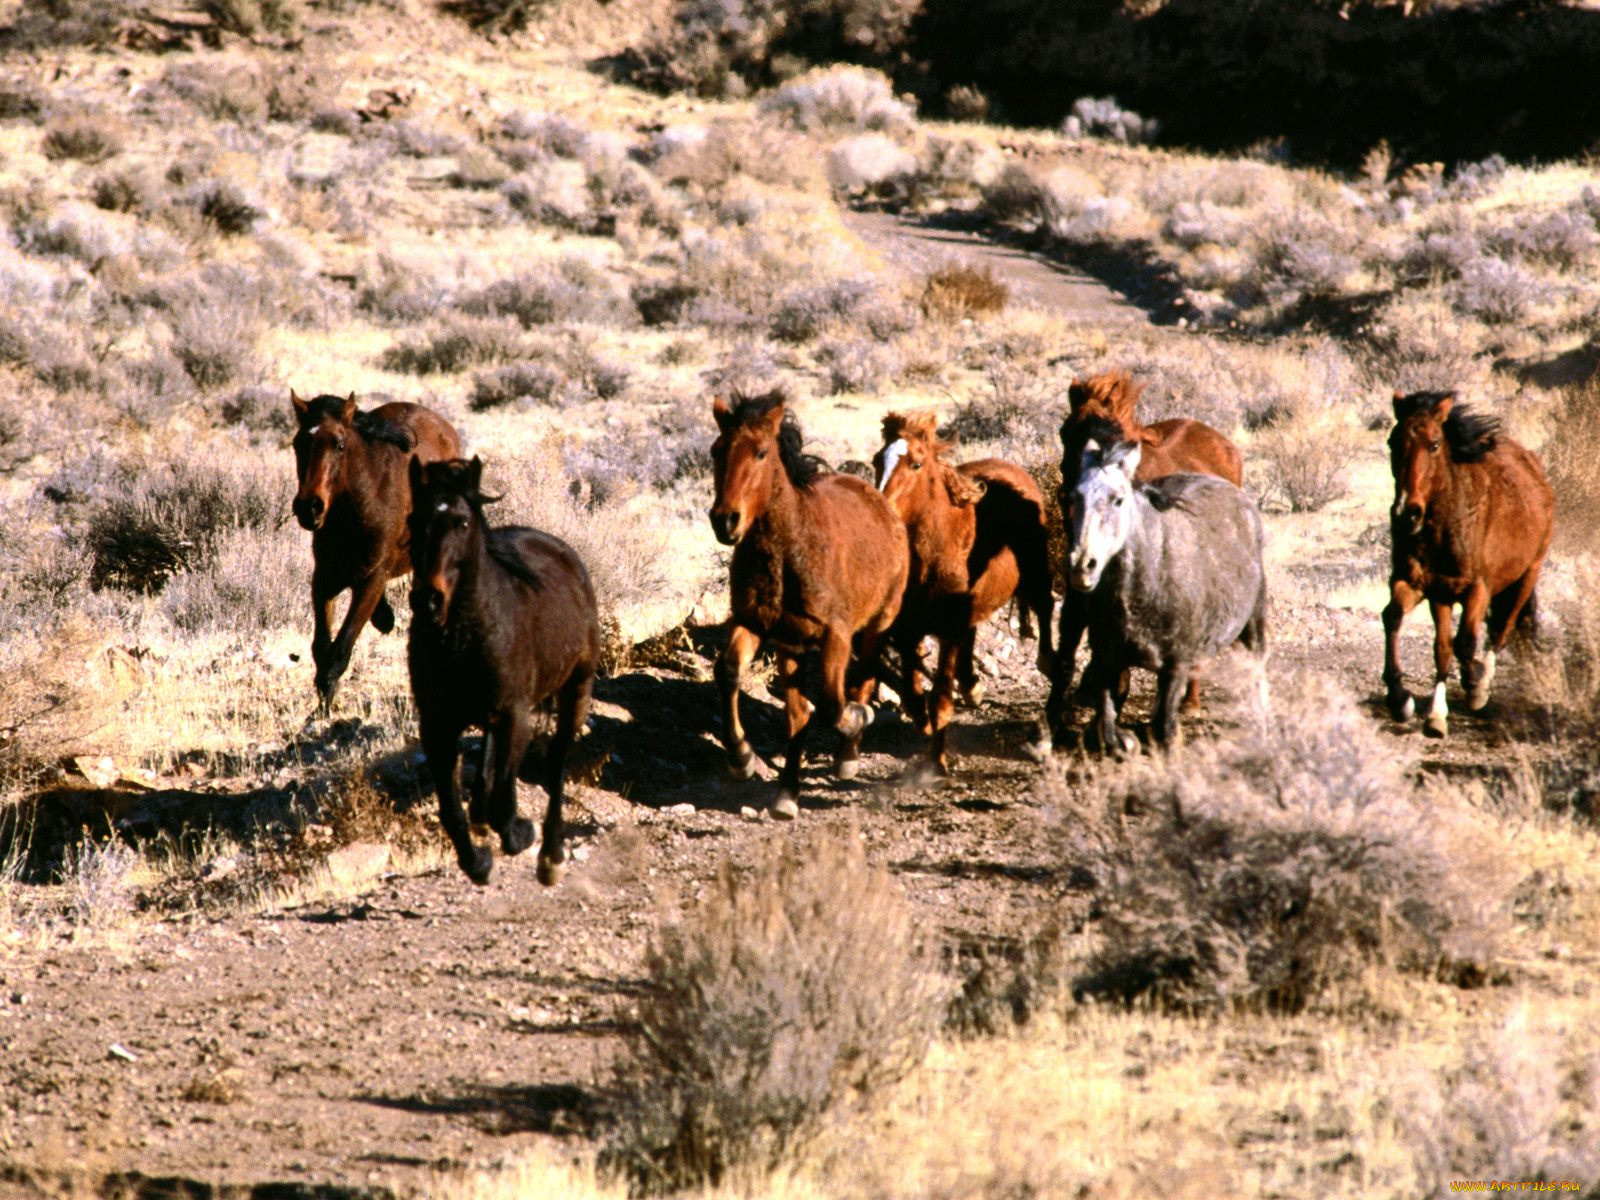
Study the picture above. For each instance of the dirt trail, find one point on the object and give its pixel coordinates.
(916, 247)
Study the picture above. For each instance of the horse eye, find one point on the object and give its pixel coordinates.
(916, 466)
(339, 445)
(459, 523)
(761, 455)
(1433, 447)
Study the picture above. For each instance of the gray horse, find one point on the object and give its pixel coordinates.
(1172, 569)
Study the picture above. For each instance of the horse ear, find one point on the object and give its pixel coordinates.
(301, 407)
(349, 412)
(1399, 402)
(1077, 395)
(1443, 405)
(773, 419)
(721, 410)
(418, 474)
(1127, 458)
(474, 472)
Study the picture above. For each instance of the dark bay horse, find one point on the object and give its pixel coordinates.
(502, 620)
(977, 537)
(819, 559)
(354, 498)
(1471, 525)
(1171, 573)
(1168, 447)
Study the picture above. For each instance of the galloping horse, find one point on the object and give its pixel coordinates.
(819, 559)
(977, 537)
(1472, 520)
(1168, 447)
(502, 620)
(1171, 573)
(354, 498)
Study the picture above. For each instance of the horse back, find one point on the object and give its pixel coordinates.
(859, 554)
(1182, 444)
(551, 603)
(1517, 507)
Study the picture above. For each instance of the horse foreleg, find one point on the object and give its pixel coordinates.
(798, 711)
(741, 648)
(1058, 708)
(966, 669)
(478, 794)
(943, 706)
(1109, 691)
(1402, 599)
(1438, 722)
(1477, 666)
(572, 710)
(323, 597)
(510, 742)
(364, 599)
(1164, 726)
(850, 715)
(440, 744)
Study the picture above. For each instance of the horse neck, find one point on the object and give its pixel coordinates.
(358, 490)
(781, 525)
(1145, 545)
(931, 523)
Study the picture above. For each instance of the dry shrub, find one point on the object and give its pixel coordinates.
(455, 345)
(227, 209)
(214, 336)
(254, 582)
(494, 16)
(251, 17)
(87, 137)
(786, 992)
(1309, 456)
(1572, 458)
(1521, 1103)
(839, 98)
(959, 291)
(1269, 870)
(571, 291)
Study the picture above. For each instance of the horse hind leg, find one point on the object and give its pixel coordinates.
(1164, 726)
(572, 711)
(854, 714)
(1437, 723)
(510, 743)
(1477, 659)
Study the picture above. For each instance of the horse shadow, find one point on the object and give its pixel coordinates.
(557, 1109)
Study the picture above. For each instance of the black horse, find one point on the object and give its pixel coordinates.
(502, 620)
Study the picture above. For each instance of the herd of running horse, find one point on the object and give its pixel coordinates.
(1163, 570)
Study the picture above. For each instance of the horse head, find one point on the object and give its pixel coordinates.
(1417, 454)
(1100, 508)
(324, 429)
(446, 528)
(910, 469)
(746, 460)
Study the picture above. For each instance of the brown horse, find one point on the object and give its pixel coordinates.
(819, 559)
(977, 536)
(1472, 520)
(502, 619)
(354, 498)
(1178, 445)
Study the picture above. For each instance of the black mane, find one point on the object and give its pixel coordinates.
(453, 477)
(370, 426)
(802, 468)
(1470, 435)
(501, 550)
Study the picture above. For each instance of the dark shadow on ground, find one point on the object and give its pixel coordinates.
(562, 1109)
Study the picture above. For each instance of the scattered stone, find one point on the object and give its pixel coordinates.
(749, 814)
(118, 1050)
(679, 810)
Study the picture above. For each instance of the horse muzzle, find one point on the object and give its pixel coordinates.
(1084, 575)
(1408, 518)
(726, 525)
(310, 511)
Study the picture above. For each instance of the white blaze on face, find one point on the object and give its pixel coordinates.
(1103, 519)
(892, 454)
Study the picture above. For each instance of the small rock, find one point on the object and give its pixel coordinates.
(679, 810)
(749, 814)
(118, 1050)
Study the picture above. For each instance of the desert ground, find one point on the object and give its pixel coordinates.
(1310, 953)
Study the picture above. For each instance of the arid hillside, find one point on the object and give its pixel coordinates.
(1312, 952)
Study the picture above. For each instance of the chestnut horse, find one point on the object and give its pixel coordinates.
(977, 537)
(1472, 520)
(502, 619)
(1174, 446)
(354, 498)
(819, 559)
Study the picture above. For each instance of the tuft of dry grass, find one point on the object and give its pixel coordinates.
(959, 291)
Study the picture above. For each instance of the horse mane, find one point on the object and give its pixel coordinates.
(803, 469)
(1094, 428)
(501, 551)
(451, 475)
(1170, 492)
(369, 425)
(1469, 434)
(1112, 394)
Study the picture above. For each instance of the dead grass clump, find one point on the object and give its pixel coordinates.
(125, 191)
(255, 582)
(572, 291)
(1498, 292)
(215, 337)
(393, 292)
(226, 209)
(494, 16)
(457, 344)
(957, 292)
(1522, 1102)
(87, 137)
(516, 383)
(787, 991)
(1572, 458)
(855, 364)
(1272, 869)
(249, 18)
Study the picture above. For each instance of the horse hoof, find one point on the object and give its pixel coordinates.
(1477, 699)
(383, 617)
(550, 871)
(1127, 745)
(1041, 747)
(478, 867)
(1403, 707)
(854, 719)
(742, 762)
(518, 837)
(846, 768)
(784, 808)
(973, 696)
(1437, 727)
